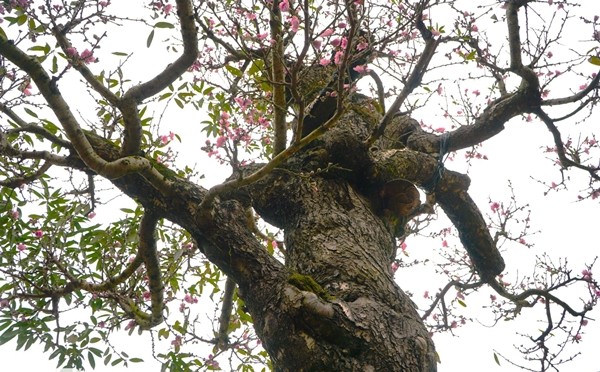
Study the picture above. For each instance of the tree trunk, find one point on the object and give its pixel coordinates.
(333, 304)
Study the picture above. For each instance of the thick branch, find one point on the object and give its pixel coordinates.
(451, 193)
(147, 250)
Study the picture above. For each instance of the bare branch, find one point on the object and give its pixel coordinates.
(412, 82)
(575, 97)
(278, 79)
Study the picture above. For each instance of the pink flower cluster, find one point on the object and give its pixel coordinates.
(86, 56)
(162, 7)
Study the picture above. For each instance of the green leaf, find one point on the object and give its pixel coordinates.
(8, 335)
(150, 38)
(164, 25)
(30, 112)
(136, 360)
(91, 360)
(234, 71)
(496, 359)
(461, 303)
(594, 60)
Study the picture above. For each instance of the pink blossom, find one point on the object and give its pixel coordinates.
(474, 28)
(147, 295)
(327, 32)
(361, 69)
(587, 275)
(454, 324)
(177, 341)
(316, 44)
(583, 86)
(426, 294)
(584, 322)
(294, 23)
(549, 54)
(3, 303)
(476, 92)
(182, 307)
(577, 337)
(167, 9)
(284, 6)
(362, 45)
(324, 61)
(130, 325)
(344, 42)
(103, 4)
(21, 247)
(15, 214)
(342, 25)
(190, 299)
(395, 266)
(444, 244)
(88, 57)
(495, 206)
(403, 246)
(25, 88)
(336, 42)
(39, 233)
(221, 141)
(493, 298)
(440, 130)
(337, 58)
(72, 52)
(529, 118)
(91, 215)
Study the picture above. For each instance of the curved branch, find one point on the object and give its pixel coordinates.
(189, 35)
(521, 298)
(135, 95)
(560, 150)
(49, 89)
(575, 97)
